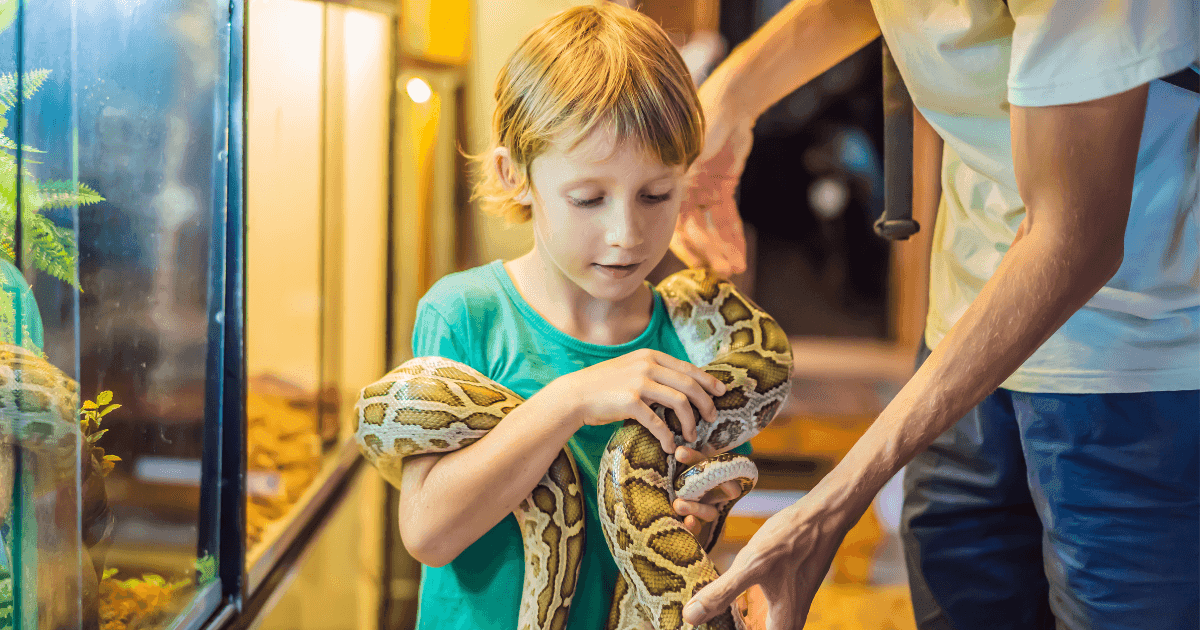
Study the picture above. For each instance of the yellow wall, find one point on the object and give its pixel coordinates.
(363, 199)
(338, 584)
(283, 147)
(497, 27)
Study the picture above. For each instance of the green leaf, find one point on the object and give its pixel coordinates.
(87, 404)
(51, 249)
(7, 143)
(112, 407)
(65, 195)
(207, 568)
(104, 397)
(96, 436)
(109, 573)
(156, 580)
(8, 12)
(31, 82)
(111, 458)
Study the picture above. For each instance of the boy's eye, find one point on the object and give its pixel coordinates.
(586, 203)
(657, 198)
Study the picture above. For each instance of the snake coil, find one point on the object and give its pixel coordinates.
(435, 405)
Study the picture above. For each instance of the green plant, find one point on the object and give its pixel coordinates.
(51, 248)
(93, 412)
(6, 598)
(206, 566)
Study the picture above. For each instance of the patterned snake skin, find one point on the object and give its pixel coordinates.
(37, 400)
(434, 405)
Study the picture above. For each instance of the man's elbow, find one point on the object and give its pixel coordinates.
(1104, 259)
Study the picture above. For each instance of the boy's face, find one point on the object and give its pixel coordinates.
(604, 214)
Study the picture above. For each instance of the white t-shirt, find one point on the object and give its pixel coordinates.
(964, 62)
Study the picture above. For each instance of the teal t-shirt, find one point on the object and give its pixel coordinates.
(477, 317)
(20, 320)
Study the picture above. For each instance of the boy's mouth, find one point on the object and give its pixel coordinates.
(616, 271)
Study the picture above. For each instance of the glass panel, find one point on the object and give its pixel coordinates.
(427, 186)
(283, 254)
(364, 167)
(318, 114)
(337, 585)
(40, 441)
(123, 172)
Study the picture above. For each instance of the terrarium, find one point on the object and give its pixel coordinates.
(113, 120)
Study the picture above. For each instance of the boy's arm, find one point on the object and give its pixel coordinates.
(449, 500)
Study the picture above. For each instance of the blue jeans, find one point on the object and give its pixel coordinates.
(1077, 511)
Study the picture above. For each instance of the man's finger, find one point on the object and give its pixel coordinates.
(716, 597)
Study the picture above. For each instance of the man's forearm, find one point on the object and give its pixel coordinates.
(1040, 283)
(799, 43)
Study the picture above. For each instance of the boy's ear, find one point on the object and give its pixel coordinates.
(507, 170)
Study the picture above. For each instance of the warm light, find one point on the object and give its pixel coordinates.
(418, 90)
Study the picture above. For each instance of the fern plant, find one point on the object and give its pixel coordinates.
(51, 248)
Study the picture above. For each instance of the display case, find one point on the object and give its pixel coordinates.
(319, 101)
(116, 169)
(193, 252)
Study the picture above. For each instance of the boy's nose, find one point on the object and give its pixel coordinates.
(623, 227)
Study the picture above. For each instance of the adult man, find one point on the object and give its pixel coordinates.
(1064, 313)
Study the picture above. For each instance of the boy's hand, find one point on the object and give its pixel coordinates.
(624, 388)
(699, 514)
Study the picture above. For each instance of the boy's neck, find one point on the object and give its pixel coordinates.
(575, 312)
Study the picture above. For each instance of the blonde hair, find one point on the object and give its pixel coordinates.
(585, 68)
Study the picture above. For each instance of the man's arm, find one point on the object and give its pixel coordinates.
(800, 42)
(1074, 168)
(795, 46)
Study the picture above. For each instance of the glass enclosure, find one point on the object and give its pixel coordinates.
(114, 176)
(181, 346)
(318, 123)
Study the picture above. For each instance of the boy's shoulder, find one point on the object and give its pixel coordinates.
(465, 290)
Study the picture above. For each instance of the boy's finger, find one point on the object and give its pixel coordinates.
(647, 418)
(688, 456)
(701, 511)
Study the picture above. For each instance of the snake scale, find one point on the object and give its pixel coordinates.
(432, 405)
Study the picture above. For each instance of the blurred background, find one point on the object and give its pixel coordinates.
(225, 213)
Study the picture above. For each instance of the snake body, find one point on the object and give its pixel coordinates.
(432, 405)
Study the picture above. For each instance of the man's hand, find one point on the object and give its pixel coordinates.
(788, 556)
(709, 230)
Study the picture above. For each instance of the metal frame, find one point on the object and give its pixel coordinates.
(232, 559)
(249, 592)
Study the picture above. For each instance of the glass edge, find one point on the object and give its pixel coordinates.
(201, 610)
(319, 504)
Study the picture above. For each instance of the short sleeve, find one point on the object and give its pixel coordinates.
(434, 336)
(1071, 52)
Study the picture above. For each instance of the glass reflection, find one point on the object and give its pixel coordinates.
(120, 147)
(318, 115)
(283, 253)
